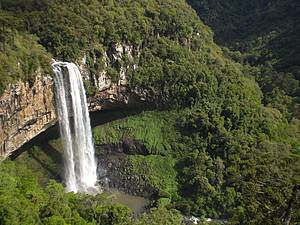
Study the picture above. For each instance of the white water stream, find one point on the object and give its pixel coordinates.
(75, 128)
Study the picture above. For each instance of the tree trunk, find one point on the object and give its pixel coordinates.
(288, 214)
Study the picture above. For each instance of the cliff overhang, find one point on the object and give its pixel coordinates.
(28, 109)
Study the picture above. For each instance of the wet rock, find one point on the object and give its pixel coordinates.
(119, 176)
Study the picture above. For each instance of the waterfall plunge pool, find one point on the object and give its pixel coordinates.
(137, 204)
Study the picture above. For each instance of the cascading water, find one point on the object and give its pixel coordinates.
(75, 128)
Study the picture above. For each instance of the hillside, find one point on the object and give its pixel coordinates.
(270, 27)
(217, 143)
(264, 34)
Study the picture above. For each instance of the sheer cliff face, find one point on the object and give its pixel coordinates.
(27, 109)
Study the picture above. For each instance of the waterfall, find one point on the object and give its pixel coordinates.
(75, 128)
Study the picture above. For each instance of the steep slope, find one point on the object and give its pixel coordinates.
(271, 27)
(267, 35)
(137, 45)
(227, 156)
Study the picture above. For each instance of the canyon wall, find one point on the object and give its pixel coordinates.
(27, 109)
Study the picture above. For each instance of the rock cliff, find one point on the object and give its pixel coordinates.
(27, 109)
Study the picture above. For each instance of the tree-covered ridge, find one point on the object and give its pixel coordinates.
(69, 32)
(232, 151)
(269, 25)
(265, 34)
(20, 54)
(178, 64)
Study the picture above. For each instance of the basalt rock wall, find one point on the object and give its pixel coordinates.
(27, 109)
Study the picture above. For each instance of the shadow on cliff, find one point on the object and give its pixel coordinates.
(52, 133)
(55, 174)
(40, 140)
(46, 151)
(107, 116)
(51, 152)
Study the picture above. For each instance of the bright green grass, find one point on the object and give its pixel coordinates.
(156, 129)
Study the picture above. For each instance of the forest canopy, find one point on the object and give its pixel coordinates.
(237, 147)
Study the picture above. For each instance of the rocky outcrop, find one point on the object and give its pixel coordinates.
(27, 109)
(113, 169)
(134, 147)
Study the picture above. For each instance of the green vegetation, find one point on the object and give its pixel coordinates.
(91, 27)
(21, 57)
(226, 144)
(268, 29)
(162, 216)
(265, 35)
(224, 168)
(24, 201)
(46, 160)
(156, 130)
(154, 171)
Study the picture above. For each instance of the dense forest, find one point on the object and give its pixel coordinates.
(223, 141)
(264, 34)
